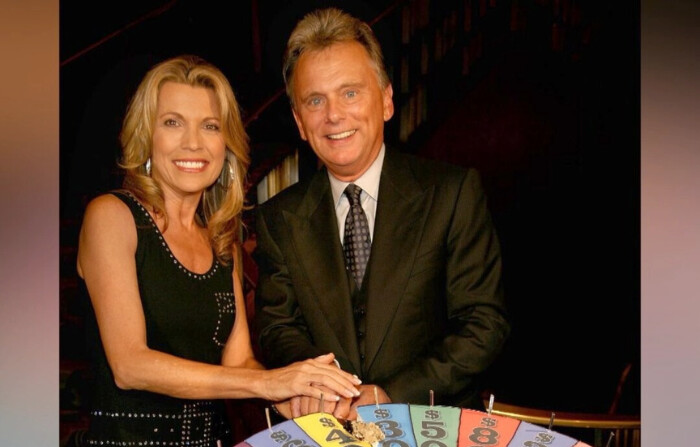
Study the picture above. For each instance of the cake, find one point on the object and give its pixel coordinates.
(366, 431)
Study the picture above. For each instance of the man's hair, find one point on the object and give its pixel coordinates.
(322, 28)
(220, 207)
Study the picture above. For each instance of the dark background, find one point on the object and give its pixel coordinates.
(551, 122)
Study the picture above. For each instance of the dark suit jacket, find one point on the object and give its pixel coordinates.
(435, 316)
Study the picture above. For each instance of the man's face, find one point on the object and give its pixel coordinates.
(340, 108)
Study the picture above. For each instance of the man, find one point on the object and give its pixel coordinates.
(428, 312)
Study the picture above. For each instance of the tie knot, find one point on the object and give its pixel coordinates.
(353, 192)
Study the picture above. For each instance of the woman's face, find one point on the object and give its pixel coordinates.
(188, 146)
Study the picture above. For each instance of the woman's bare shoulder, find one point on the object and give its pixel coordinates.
(108, 232)
(107, 211)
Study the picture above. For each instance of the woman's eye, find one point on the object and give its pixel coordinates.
(170, 122)
(211, 126)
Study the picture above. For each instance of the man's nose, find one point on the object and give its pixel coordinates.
(334, 111)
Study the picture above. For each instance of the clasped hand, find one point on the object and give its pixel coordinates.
(343, 409)
(312, 378)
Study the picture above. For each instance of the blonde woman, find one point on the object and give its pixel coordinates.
(158, 258)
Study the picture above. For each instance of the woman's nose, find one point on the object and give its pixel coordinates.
(192, 139)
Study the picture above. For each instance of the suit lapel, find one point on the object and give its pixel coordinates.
(316, 239)
(401, 213)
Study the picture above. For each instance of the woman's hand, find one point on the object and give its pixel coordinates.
(302, 379)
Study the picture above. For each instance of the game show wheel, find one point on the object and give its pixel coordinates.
(406, 425)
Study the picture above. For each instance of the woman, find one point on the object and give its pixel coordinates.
(158, 259)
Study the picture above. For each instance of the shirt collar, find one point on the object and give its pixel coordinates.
(369, 181)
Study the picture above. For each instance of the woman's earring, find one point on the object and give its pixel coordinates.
(148, 167)
(226, 177)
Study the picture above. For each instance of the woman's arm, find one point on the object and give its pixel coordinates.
(238, 350)
(106, 261)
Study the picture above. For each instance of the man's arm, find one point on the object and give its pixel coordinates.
(283, 334)
(474, 303)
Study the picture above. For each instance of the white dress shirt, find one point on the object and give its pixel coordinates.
(369, 182)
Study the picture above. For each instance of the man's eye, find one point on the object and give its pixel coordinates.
(351, 93)
(315, 102)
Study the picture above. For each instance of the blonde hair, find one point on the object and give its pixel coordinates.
(222, 203)
(322, 28)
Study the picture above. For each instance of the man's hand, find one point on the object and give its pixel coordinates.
(303, 405)
(283, 408)
(345, 408)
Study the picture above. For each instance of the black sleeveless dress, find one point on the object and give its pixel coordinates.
(188, 315)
